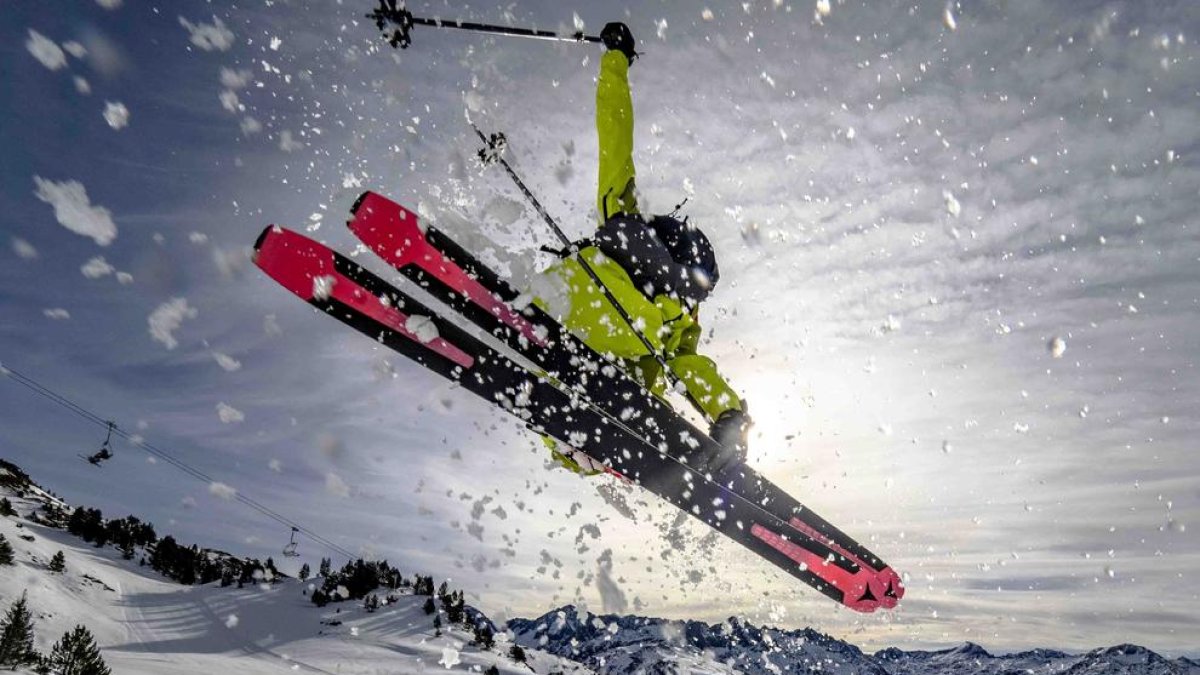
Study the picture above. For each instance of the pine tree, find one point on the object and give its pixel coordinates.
(6, 507)
(484, 637)
(326, 565)
(58, 563)
(429, 606)
(305, 572)
(492, 670)
(77, 654)
(516, 653)
(16, 640)
(437, 626)
(6, 551)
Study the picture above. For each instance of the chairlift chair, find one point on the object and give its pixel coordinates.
(105, 451)
(290, 549)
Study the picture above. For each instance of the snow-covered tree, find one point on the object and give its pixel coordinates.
(77, 654)
(305, 572)
(16, 638)
(6, 507)
(58, 563)
(6, 551)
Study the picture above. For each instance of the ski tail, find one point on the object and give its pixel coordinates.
(339, 287)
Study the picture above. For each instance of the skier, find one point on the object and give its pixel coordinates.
(99, 457)
(659, 268)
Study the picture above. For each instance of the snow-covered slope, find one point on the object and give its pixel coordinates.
(145, 623)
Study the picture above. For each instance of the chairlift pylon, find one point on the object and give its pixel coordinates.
(290, 549)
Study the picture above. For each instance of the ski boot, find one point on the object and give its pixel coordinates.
(731, 431)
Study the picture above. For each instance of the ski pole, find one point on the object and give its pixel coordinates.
(492, 154)
(390, 12)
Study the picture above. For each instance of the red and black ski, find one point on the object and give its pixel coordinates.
(344, 290)
(431, 259)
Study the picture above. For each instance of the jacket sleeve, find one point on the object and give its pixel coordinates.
(614, 129)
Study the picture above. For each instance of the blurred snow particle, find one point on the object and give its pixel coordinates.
(323, 286)
(235, 79)
(74, 210)
(946, 447)
(1057, 347)
(422, 327)
(109, 4)
(1083, 412)
(823, 9)
(57, 314)
(271, 326)
(287, 143)
(116, 114)
(219, 489)
(188, 502)
(890, 325)
(45, 50)
(449, 657)
(97, 267)
(231, 621)
(612, 598)
(250, 126)
(948, 17)
(276, 43)
(660, 29)
(707, 14)
(24, 249)
(1020, 428)
(82, 86)
(850, 133)
(75, 49)
(952, 205)
(229, 414)
(275, 465)
(1165, 419)
(227, 362)
(335, 486)
(209, 37)
(167, 318)
(198, 238)
(578, 22)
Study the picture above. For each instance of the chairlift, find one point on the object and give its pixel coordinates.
(105, 452)
(290, 550)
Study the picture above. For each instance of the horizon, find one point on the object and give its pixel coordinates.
(959, 291)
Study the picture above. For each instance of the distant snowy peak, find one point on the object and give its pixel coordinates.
(621, 644)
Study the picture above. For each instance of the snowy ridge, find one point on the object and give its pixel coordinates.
(623, 644)
(146, 623)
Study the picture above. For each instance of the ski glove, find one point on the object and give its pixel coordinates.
(616, 36)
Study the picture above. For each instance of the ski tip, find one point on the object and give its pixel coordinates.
(359, 202)
(262, 237)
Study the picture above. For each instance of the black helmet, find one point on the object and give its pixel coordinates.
(689, 247)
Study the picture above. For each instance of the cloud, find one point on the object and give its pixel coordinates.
(209, 37)
(116, 114)
(109, 4)
(57, 313)
(167, 318)
(229, 414)
(74, 210)
(45, 50)
(97, 267)
(221, 490)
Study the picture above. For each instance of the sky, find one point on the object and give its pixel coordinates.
(960, 291)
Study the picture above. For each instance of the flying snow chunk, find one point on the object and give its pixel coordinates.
(287, 143)
(45, 50)
(276, 43)
(116, 114)
(422, 327)
(948, 18)
(75, 49)
(823, 8)
(449, 657)
(219, 489)
(578, 21)
(227, 362)
(82, 86)
(335, 486)
(1057, 346)
(56, 314)
(229, 414)
(275, 465)
(661, 29)
(97, 267)
(952, 205)
(209, 37)
(24, 249)
(235, 79)
(231, 621)
(167, 319)
(74, 210)
(323, 286)
(707, 14)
